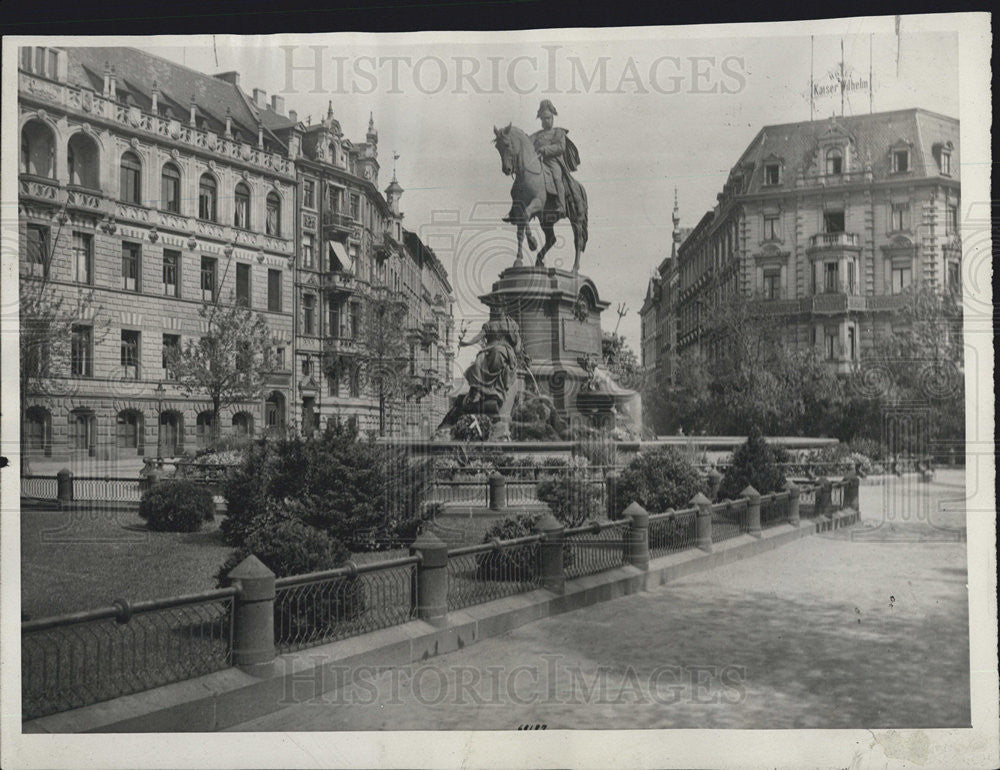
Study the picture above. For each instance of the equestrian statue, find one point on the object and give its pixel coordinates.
(544, 188)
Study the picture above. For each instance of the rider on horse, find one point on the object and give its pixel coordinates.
(559, 157)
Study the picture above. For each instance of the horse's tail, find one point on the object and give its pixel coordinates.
(582, 217)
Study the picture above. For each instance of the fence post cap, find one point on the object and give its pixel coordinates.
(634, 509)
(496, 476)
(251, 568)
(791, 486)
(613, 474)
(64, 472)
(750, 492)
(428, 541)
(850, 475)
(699, 499)
(823, 481)
(548, 523)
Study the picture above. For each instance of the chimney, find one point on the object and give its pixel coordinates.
(278, 104)
(260, 98)
(194, 111)
(293, 116)
(233, 77)
(156, 99)
(113, 93)
(229, 124)
(107, 78)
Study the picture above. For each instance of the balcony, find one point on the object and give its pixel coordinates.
(834, 242)
(343, 346)
(338, 222)
(340, 283)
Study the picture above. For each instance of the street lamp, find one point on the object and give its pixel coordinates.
(159, 391)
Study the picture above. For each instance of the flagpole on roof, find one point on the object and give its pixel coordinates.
(871, 82)
(812, 39)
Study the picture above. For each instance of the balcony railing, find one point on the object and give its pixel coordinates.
(340, 282)
(835, 241)
(338, 221)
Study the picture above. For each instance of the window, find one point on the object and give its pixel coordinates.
(244, 356)
(131, 175)
(355, 382)
(82, 429)
(834, 162)
(208, 285)
(38, 430)
(204, 426)
(130, 354)
(82, 162)
(40, 61)
(83, 250)
(171, 272)
(309, 194)
(831, 276)
(38, 250)
(771, 227)
(900, 161)
(899, 217)
(243, 424)
(171, 346)
(208, 198)
(131, 261)
(129, 429)
(333, 383)
(274, 291)
(306, 366)
(902, 277)
(272, 224)
(242, 284)
(170, 189)
(833, 221)
(772, 173)
(279, 359)
(772, 284)
(852, 343)
(945, 162)
(851, 277)
(954, 276)
(333, 319)
(308, 314)
(355, 205)
(241, 213)
(830, 345)
(81, 351)
(308, 251)
(37, 149)
(355, 320)
(951, 220)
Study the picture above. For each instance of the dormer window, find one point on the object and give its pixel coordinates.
(946, 162)
(834, 162)
(772, 173)
(900, 161)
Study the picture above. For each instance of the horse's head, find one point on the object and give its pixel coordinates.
(502, 141)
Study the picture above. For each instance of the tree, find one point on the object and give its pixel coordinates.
(47, 316)
(229, 363)
(386, 352)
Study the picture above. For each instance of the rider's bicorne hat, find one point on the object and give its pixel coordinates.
(545, 105)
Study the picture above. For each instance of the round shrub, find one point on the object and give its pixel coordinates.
(572, 500)
(176, 505)
(755, 463)
(517, 563)
(657, 480)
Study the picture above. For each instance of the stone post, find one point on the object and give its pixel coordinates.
(497, 492)
(793, 502)
(551, 556)
(64, 487)
(714, 479)
(611, 495)
(637, 553)
(951, 457)
(253, 634)
(852, 491)
(704, 521)
(752, 496)
(824, 497)
(432, 578)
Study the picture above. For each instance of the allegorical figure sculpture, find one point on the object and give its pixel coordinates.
(492, 376)
(544, 187)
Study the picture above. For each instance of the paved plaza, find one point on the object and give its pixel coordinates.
(860, 627)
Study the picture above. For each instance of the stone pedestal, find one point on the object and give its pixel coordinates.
(559, 316)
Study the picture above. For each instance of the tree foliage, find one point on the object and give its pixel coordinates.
(621, 361)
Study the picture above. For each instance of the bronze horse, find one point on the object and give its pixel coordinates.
(530, 200)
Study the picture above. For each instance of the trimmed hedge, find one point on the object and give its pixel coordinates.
(756, 463)
(657, 480)
(176, 505)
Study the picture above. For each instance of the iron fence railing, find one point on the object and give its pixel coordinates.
(41, 487)
(85, 488)
(807, 501)
(773, 509)
(70, 661)
(672, 531)
(729, 519)
(482, 573)
(325, 606)
(595, 548)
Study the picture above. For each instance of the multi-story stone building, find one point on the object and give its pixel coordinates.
(152, 188)
(823, 223)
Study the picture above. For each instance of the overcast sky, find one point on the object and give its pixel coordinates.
(649, 111)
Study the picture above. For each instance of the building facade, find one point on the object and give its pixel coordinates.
(824, 224)
(149, 189)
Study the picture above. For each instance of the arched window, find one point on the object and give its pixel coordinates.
(131, 178)
(208, 198)
(37, 150)
(171, 438)
(38, 431)
(273, 223)
(204, 429)
(243, 424)
(82, 162)
(129, 430)
(170, 189)
(241, 212)
(274, 415)
(834, 162)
